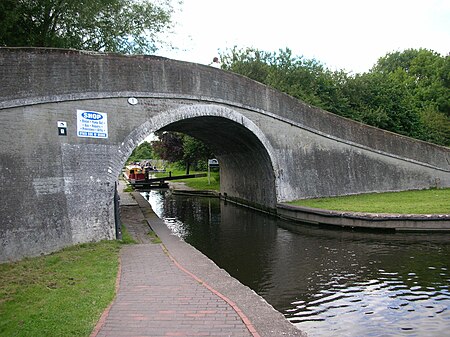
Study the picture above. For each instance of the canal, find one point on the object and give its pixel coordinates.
(327, 282)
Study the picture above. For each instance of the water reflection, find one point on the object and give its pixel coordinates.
(325, 281)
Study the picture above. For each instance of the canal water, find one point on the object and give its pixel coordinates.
(327, 282)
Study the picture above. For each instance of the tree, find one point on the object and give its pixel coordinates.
(405, 92)
(194, 151)
(123, 26)
(169, 146)
(141, 152)
(250, 62)
(425, 72)
(411, 89)
(305, 79)
(178, 147)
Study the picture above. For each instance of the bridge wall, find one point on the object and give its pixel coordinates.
(58, 190)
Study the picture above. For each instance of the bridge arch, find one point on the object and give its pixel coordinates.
(249, 168)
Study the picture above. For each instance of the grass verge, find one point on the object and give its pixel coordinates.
(61, 294)
(202, 182)
(155, 238)
(434, 201)
(197, 183)
(129, 188)
(126, 237)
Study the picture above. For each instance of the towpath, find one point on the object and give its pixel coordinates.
(171, 289)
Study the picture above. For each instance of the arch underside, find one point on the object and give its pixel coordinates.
(246, 170)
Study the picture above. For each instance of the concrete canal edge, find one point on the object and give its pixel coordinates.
(343, 219)
(264, 318)
(397, 222)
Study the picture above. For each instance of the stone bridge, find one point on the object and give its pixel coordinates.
(57, 181)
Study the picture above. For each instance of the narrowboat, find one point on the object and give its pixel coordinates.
(134, 173)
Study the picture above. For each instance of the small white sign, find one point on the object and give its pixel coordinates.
(132, 100)
(92, 124)
(213, 162)
(62, 124)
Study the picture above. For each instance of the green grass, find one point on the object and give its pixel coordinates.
(155, 238)
(62, 294)
(129, 188)
(202, 183)
(434, 201)
(126, 237)
(197, 183)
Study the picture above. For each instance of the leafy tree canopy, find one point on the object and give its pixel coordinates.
(405, 92)
(122, 26)
(141, 152)
(195, 153)
(178, 147)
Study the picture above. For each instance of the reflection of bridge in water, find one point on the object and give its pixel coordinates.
(271, 147)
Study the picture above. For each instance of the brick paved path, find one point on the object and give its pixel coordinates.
(156, 298)
(160, 297)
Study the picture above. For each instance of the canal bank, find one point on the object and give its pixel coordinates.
(377, 221)
(342, 219)
(325, 281)
(173, 288)
(263, 317)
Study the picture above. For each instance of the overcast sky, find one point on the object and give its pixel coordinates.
(342, 34)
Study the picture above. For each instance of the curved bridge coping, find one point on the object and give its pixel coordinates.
(102, 95)
(94, 75)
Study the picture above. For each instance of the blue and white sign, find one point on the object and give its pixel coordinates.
(92, 124)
